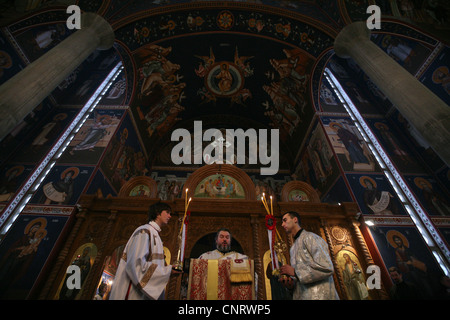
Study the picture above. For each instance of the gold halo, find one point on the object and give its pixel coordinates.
(364, 178)
(21, 169)
(390, 237)
(442, 69)
(333, 124)
(60, 116)
(380, 125)
(74, 169)
(8, 60)
(102, 117)
(418, 181)
(42, 221)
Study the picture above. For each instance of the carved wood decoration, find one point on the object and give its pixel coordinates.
(108, 224)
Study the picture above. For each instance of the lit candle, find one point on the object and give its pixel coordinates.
(271, 206)
(265, 203)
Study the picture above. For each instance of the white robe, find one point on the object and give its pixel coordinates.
(142, 273)
(313, 268)
(216, 254)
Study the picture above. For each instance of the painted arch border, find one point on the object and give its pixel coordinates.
(227, 169)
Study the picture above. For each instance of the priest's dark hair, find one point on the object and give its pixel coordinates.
(222, 229)
(293, 215)
(155, 210)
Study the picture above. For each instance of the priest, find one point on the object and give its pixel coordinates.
(311, 269)
(221, 274)
(223, 247)
(142, 273)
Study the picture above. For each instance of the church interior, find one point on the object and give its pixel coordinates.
(80, 167)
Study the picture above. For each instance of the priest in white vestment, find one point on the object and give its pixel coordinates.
(142, 273)
(311, 270)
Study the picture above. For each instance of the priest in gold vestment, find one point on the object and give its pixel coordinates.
(311, 270)
(221, 274)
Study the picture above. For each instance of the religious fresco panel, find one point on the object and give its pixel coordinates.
(374, 195)
(78, 87)
(170, 184)
(263, 24)
(318, 166)
(359, 97)
(403, 247)
(409, 53)
(160, 91)
(81, 84)
(288, 106)
(63, 185)
(417, 142)
(26, 248)
(117, 93)
(124, 157)
(100, 186)
(10, 62)
(222, 81)
(429, 193)
(329, 102)
(437, 75)
(38, 142)
(93, 137)
(18, 138)
(170, 89)
(353, 275)
(83, 258)
(11, 178)
(35, 42)
(219, 186)
(391, 140)
(349, 146)
(338, 193)
(269, 185)
(362, 92)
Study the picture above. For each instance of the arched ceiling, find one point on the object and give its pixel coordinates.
(230, 64)
(227, 64)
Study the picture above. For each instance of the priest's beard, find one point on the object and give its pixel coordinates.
(223, 247)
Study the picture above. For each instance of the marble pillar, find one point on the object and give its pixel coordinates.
(23, 92)
(418, 104)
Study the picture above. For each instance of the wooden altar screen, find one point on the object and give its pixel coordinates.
(107, 223)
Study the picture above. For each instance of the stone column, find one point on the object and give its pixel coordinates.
(23, 92)
(420, 106)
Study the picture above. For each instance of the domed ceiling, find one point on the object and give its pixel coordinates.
(228, 64)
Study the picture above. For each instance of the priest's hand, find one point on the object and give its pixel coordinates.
(175, 272)
(287, 270)
(288, 282)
